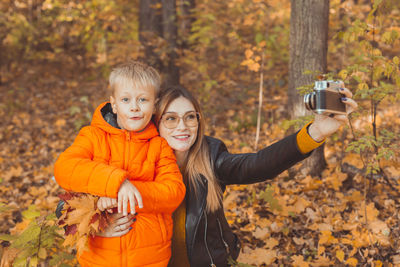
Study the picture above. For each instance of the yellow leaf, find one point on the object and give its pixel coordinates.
(396, 60)
(301, 205)
(343, 74)
(372, 212)
(254, 67)
(321, 249)
(14, 171)
(272, 242)
(257, 256)
(81, 245)
(33, 262)
(69, 240)
(352, 261)
(299, 261)
(327, 238)
(340, 255)
(249, 53)
(362, 86)
(20, 227)
(378, 226)
(356, 196)
(42, 253)
(322, 261)
(60, 122)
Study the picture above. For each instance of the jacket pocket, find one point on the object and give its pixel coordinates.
(163, 227)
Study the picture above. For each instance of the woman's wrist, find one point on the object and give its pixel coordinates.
(315, 133)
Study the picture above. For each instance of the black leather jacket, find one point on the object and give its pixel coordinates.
(209, 239)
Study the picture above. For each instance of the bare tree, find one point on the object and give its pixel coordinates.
(150, 29)
(170, 34)
(158, 34)
(308, 52)
(187, 18)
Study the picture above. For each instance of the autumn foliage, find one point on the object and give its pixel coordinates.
(81, 219)
(54, 60)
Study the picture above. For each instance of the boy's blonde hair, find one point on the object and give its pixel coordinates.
(135, 73)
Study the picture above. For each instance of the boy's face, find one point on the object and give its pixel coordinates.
(134, 106)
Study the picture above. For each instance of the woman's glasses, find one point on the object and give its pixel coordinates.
(172, 119)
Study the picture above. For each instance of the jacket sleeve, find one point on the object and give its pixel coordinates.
(166, 192)
(251, 168)
(75, 170)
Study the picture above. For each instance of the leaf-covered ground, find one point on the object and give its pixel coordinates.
(339, 219)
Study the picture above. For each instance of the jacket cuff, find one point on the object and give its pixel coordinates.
(115, 181)
(305, 142)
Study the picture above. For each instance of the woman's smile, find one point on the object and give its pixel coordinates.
(182, 137)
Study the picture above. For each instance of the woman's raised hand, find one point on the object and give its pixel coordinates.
(323, 125)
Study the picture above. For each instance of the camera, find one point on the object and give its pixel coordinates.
(326, 98)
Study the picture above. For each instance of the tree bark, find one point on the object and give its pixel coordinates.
(308, 52)
(150, 29)
(186, 20)
(170, 34)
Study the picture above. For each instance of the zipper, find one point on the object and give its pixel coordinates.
(126, 160)
(205, 240)
(126, 149)
(222, 237)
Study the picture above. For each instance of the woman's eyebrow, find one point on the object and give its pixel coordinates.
(177, 112)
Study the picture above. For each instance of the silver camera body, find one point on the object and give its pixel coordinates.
(326, 98)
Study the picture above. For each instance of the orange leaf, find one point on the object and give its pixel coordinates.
(340, 255)
(299, 261)
(352, 262)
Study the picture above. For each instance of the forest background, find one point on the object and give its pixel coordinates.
(239, 58)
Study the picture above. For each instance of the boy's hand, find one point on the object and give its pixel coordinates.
(106, 203)
(128, 192)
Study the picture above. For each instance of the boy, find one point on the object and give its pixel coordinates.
(120, 157)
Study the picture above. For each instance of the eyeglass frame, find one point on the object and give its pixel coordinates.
(181, 118)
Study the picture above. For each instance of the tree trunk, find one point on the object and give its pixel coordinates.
(186, 20)
(150, 30)
(308, 52)
(170, 34)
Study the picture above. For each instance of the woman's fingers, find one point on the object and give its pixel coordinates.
(346, 92)
(124, 223)
(351, 105)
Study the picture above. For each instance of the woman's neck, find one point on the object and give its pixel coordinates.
(181, 157)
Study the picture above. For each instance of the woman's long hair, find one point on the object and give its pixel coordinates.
(198, 161)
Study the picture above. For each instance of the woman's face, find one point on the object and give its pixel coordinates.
(183, 136)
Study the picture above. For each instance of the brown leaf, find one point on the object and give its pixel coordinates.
(257, 256)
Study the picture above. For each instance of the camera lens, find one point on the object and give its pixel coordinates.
(309, 101)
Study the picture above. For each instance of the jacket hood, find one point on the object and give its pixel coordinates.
(106, 120)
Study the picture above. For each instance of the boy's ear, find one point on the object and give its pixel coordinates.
(112, 101)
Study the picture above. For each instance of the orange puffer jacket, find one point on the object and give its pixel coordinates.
(98, 161)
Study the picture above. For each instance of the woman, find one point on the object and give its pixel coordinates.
(202, 236)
